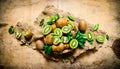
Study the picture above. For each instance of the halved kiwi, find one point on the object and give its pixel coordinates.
(64, 39)
(90, 36)
(58, 32)
(71, 18)
(56, 40)
(66, 29)
(18, 34)
(73, 43)
(100, 39)
(71, 25)
(28, 34)
(11, 30)
(47, 29)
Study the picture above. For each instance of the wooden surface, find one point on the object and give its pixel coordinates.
(104, 12)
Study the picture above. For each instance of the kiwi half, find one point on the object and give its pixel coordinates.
(18, 35)
(58, 32)
(47, 29)
(28, 34)
(56, 40)
(66, 29)
(71, 25)
(73, 43)
(100, 39)
(64, 39)
(89, 35)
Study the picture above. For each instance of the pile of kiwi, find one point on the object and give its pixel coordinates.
(58, 28)
(56, 32)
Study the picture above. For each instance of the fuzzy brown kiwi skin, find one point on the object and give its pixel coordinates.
(74, 31)
(73, 34)
(48, 39)
(53, 27)
(75, 28)
(60, 47)
(82, 25)
(61, 22)
(28, 36)
(39, 45)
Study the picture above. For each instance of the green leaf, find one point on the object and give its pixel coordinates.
(71, 18)
(81, 44)
(50, 23)
(91, 42)
(107, 37)
(41, 22)
(96, 26)
(11, 30)
(44, 47)
(77, 34)
(69, 36)
(80, 38)
(47, 49)
(53, 18)
(56, 16)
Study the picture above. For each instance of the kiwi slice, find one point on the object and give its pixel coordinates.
(18, 35)
(56, 40)
(47, 29)
(100, 39)
(71, 18)
(58, 32)
(90, 36)
(64, 39)
(71, 25)
(11, 30)
(28, 34)
(73, 43)
(66, 29)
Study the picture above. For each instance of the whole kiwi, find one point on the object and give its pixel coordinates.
(48, 39)
(82, 25)
(53, 27)
(61, 22)
(39, 44)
